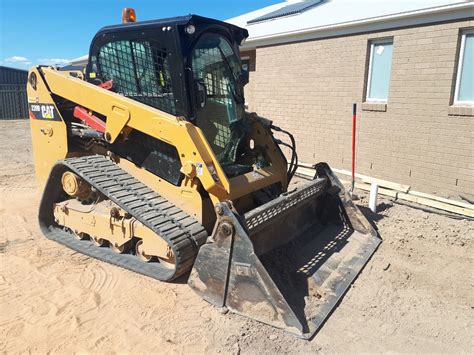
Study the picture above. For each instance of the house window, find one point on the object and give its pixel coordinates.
(464, 93)
(380, 62)
(246, 64)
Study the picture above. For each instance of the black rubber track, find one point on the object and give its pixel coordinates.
(182, 232)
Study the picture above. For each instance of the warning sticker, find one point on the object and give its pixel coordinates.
(199, 170)
(256, 175)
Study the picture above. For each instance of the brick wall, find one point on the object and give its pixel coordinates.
(309, 87)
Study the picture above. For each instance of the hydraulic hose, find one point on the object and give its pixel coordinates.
(294, 156)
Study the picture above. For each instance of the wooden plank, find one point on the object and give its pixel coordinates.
(305, 165)
(399, 191)
(442, 199)
(388, 184)
(382, 191)
(437, 204)
(420, 200)
(380, 182)
(306, 171)
(367, 179)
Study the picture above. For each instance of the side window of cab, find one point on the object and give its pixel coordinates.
(138, 70)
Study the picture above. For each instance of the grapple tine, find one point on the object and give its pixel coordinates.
(287, 263)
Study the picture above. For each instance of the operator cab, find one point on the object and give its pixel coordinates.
(186, 66)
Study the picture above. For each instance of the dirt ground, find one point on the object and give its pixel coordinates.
(415, 295)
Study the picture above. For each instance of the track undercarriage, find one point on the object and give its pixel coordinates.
(98, 205)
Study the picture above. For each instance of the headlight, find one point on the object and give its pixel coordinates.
(190, 29)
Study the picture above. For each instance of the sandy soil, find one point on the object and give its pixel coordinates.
(415, 295)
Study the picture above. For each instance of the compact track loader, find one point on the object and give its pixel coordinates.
(149, 161)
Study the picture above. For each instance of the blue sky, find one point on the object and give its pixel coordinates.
(52, 32)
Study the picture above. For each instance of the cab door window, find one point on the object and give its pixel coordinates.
(217, 67)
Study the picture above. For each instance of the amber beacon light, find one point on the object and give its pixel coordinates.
(128, 15)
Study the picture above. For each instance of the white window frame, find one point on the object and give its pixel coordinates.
(373, 43)
(459, 70)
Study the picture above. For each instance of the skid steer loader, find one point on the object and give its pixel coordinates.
(148, 160)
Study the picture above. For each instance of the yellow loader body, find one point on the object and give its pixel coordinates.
(148, 160)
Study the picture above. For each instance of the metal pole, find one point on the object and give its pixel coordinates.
(354, 117)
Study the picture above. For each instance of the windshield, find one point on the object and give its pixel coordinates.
(217, 67)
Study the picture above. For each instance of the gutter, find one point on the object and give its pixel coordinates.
(437, 14)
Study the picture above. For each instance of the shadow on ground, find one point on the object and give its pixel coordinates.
(375, 217)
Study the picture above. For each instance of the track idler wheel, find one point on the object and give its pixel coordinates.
(74, 186)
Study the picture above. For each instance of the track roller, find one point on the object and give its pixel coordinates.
(99, 242)
(141, 253)
(121, 249)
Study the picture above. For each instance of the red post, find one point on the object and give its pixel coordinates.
(354, 119)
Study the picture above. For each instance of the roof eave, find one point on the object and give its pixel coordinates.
(419, 17)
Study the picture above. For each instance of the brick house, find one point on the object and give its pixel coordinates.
(408, 64)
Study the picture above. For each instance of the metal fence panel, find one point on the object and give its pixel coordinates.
(13, 99)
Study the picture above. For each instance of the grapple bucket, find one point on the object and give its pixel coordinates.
(288, 262)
